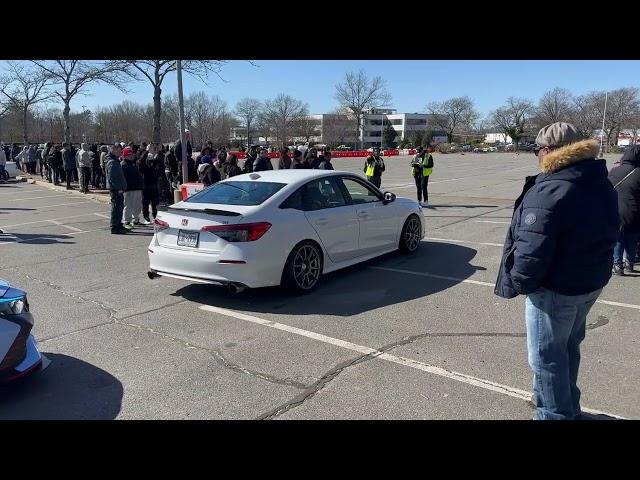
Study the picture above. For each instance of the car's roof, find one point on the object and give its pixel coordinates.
(289, 176)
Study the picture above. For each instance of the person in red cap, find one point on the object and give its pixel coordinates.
(133, 192)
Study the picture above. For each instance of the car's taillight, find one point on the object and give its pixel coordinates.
(159, 225)
(247, 232)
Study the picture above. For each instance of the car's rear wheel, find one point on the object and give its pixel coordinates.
(303, 268)
(411, 234)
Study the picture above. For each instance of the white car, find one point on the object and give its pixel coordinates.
(282, 227)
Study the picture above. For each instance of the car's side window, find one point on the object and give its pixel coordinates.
(316, 195)
(359, 192)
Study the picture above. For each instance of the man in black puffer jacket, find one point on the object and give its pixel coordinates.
(626, 180)
(559, 252)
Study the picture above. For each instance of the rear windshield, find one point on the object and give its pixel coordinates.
(237, 193)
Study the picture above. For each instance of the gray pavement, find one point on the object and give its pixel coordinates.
(417, 337)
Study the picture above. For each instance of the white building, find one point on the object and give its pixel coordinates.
(376, 120)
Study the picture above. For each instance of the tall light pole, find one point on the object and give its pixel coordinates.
(185, 166)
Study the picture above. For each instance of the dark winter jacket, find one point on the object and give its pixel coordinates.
(132, 175)
(325, 164)
(55, 159)
(248, 163)
(210, 175)
(629, 189)
(149, 173)
(68, 159)
(232, 169)
(113, 171)
(564, 227)
(262, 164)
(178, 150)
(171, 163)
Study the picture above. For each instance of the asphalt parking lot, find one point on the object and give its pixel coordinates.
(399, 337)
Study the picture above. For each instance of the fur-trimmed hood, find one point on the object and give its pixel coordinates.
(569, 154)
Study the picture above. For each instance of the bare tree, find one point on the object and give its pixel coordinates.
(586, 113)
(155, 71)
(358, 92)
(307, 127)
(338, 128)
(621, 105)
(72, 77)
(554, 106)
(283, 112)
(512, 118)
(23, 88)
(248, 110)
(453, 115)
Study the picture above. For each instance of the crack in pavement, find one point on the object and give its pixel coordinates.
(216, 354)
(312, 390)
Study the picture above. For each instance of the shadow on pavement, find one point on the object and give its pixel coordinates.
(69, 389)
(353, 290)
(35, 238)
(599, 416)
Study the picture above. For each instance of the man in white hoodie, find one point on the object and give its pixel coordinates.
(84, 159)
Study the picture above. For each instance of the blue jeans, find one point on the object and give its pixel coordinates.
(555, 328)
(625, 248)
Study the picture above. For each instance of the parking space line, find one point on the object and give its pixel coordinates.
(435, 239)
(42, 207)
(407, 362)
(103, 215)
(433, 275)
(42, 221)
(36, 198)
(55, 222)
(492, 221)
(487, 284)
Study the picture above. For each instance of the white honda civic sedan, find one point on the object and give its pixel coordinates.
(282, 227)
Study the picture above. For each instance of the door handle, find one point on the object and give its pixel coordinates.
(363, 215)
(322, 221)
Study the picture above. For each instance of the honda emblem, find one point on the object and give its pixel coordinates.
(185, 221)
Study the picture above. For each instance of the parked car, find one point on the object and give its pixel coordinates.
(343, 148)
(281, 227)
(19, 354)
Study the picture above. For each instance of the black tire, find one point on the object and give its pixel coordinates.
(411, 235)
(303, 269)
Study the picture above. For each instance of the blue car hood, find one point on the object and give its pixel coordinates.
(9, 291)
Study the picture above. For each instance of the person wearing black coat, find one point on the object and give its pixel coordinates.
(231, 168)
(133, 192)
(626, 181)
(150, 191)
(55, 164)
(559, 253)
(208, 173)
(263, 162)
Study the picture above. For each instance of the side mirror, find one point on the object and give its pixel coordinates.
(389, 197)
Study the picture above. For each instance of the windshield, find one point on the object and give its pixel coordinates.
(237, 193)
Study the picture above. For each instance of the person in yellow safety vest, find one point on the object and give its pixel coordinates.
(421, 168)
(374, 166)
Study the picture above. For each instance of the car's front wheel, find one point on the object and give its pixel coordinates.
(411, 234)
(303, 268)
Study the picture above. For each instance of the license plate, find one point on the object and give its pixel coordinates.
(188, 239)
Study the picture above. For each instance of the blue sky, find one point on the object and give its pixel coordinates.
(412, 84)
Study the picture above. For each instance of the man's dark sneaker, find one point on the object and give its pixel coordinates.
(628, 268)
(618, 270)
(119, 231)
